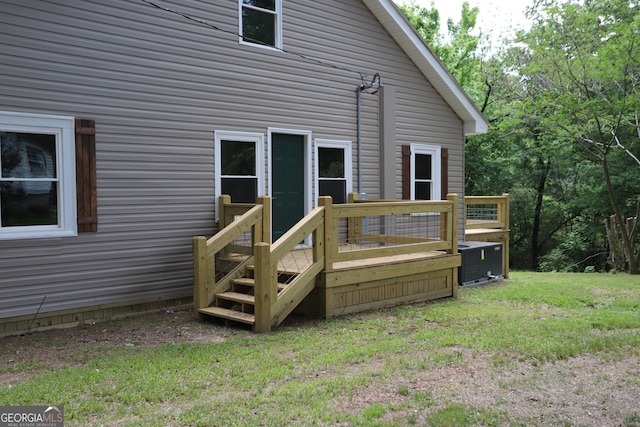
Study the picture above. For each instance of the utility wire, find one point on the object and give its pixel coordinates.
(214, 27)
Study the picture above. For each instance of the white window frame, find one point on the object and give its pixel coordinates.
(63, 129)
(258, 139)
(348, 162)
(278, 35)
(436, 174)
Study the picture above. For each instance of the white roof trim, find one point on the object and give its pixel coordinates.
(429, 64)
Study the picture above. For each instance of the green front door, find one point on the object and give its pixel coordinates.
(287, 167)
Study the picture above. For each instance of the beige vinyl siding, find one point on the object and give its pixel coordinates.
(157, 86)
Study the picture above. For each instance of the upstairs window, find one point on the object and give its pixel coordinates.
(261, 22)
(37, 176)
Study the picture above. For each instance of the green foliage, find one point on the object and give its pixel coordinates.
(459, 49)
(579, 67)
(425, 21)
(563, 102)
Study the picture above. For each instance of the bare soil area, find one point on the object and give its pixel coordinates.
(582, 391)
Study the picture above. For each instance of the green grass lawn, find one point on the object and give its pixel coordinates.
(371, 369)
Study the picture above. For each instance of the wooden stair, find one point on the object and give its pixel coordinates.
(237, 304)
(225, 313)
(237, 297)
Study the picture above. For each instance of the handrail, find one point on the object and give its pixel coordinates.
(292, 238)
(230, 233)
(205, 250)
(272, 308)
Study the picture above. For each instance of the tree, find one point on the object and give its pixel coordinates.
(581, 63)
(425, 21)
(459, 50)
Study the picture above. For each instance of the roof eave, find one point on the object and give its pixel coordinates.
(429, 64)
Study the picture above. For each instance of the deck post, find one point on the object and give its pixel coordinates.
(264, 297)
(223, 200)
(505, 249)
(265, 201)
(354, 225)
(464, 214)
(223, 221)
(200, 291)
(452, 230)
(329, 235)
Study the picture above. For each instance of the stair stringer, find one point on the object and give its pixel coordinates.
(295, 292)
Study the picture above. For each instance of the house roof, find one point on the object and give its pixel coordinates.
(391, 17)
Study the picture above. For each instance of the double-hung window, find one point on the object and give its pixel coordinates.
(239, 163)
(425, 172)
(261, 22)
(37, 176)
(333, 169)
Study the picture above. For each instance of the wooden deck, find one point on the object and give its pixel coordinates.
(364, 255)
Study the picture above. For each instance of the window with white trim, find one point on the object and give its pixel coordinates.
(425, 172)
(333, 169)
(239, 163)
(261, 22)
(37, 176)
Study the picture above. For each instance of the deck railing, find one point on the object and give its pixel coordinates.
(271, 307)
(487, 212)
(365, 229)
(346, 232)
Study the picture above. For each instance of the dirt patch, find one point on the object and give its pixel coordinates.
(582, 391)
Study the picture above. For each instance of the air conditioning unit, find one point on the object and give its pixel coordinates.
(481, 263)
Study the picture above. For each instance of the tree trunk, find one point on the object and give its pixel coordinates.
(535, 232)
(626, 238)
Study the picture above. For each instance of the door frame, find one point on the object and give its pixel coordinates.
(307, 134)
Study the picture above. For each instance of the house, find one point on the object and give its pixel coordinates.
(151, 109)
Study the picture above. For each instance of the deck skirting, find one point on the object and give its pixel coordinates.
(367, 286)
